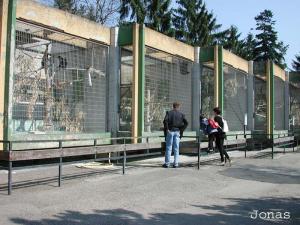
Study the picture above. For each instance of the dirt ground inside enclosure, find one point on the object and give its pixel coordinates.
(149, 194)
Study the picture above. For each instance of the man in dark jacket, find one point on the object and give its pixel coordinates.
(174, 125)
(220, 136)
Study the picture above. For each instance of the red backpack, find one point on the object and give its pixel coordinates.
(213, 124)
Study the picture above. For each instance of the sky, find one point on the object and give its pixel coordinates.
(241, 13)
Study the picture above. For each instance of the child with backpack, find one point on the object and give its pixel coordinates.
(209, 128)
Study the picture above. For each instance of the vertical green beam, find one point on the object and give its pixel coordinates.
(221, 78)
(272, 94)
(9, 66)
(270, 97)
(141, 80)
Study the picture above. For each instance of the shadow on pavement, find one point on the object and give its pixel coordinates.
(275, 175)
(236, 212)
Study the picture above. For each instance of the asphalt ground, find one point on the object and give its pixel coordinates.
(149, 194)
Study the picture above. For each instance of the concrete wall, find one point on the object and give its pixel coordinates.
(66, 22)
(279, 72)
(235, 61)
(167, 44)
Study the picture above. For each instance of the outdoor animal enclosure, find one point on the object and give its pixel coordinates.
(59, 82)
(67, 77)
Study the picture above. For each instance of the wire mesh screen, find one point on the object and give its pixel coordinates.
(167, 79)
(295, 103)
(235, 97)
(126, 90)
(260, 96)
(279, 87)
(59, 82)
(207, 90)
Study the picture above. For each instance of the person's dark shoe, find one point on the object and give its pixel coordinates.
(175, 166)
(165, 166)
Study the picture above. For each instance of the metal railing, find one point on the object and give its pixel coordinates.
(124, 144)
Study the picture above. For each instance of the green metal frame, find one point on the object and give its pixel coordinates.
(141, 80)
(272, 97)
(294, 77)
(206, 54)
(9, 61)
(125, 35)
(271, 107)
(221, 77)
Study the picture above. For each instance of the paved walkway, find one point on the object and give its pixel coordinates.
(149, 194)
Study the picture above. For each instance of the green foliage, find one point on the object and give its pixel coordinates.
(71, 6)
(247, 51)
(194, 24)
(155, 14)
(134, 9)
(267, 45)
(296, 63)
(160, 16)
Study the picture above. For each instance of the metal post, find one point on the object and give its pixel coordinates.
(60, 164)
(246, 150)
(272, 146)
(147, 139)
(124, 158)
(199, 151)
(9, 169)
(293, 135)
(95, 143)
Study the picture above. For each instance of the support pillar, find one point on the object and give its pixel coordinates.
(219, 77)
(9, 67)
(196, 90)
(141, 80)
(250, 96)
(3, 33)
(113, 82)
(135, 82)
(270, 96)
(286, 101)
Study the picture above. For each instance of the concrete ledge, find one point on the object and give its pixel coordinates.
(61, 20)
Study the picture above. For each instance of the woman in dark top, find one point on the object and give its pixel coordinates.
(220, 136)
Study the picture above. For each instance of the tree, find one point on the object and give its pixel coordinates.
(296, 63)
(71, 6)
(267, 44)
(100, 11)
(160, 16)
(134, 9)
(103, 11)
(249, 43)
(155, 14)
(232, 41)
(194, 24)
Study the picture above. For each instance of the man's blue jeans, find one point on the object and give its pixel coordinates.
(172, 141)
